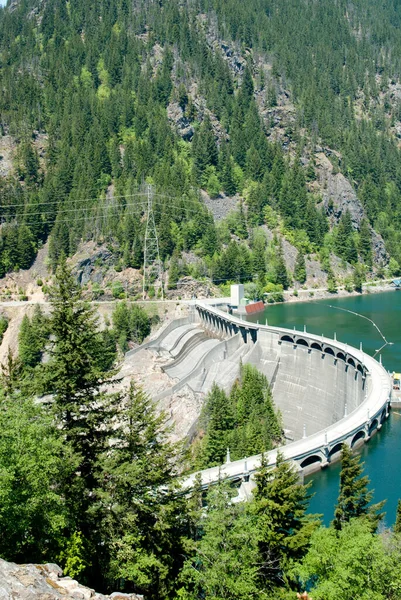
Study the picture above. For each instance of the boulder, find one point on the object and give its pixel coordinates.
(45, 582)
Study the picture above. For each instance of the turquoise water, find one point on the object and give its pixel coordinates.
(382, 454)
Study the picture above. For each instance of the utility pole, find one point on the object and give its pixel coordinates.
(152, 265)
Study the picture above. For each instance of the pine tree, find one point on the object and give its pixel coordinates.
(358, 277)
(219, 419)
(259, 257)
(26, 247)
(74, 379)
(354, 497)
(29, 345)
(300, 268)
(173, 272)
(345, 244)
(365, 242)
(227, 177)
(281, 269)
(331, 281)
(222, 564)
(142, 519)
(397, 525)
(283, 528)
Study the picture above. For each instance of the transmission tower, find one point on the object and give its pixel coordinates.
(152, 265)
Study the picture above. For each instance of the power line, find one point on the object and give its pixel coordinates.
(111, 207)
(97, 213)
(94, 198)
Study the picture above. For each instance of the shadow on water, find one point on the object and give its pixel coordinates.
(382, 453)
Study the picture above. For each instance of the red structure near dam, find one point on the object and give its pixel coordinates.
(255, 307)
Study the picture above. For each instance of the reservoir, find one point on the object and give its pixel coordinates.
(382, 454)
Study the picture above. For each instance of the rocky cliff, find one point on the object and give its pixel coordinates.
(45, 582)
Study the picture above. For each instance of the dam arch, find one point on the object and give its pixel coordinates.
(313, 460)
(361, 435)
(358, 404)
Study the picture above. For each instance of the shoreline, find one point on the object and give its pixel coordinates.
(310, 295)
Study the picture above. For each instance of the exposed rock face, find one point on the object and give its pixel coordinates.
(338, 197)
(180, 121)
(220, 207)
(86, 268)
(45, 582)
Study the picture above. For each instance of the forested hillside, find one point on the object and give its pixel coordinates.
(235, 99)
(254, 127)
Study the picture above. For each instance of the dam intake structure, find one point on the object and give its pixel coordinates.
(328, 393)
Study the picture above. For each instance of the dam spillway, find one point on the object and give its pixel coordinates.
(328, 392)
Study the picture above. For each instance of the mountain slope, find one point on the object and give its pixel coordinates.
(250, 101)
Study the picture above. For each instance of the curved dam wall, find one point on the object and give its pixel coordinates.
(312, 388)
(328, 392)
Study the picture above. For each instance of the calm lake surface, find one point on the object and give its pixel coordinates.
(382, 454)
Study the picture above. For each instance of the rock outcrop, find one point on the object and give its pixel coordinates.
(338, 197)
(45, 582)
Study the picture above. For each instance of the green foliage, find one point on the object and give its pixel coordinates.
(74, 556)
(223, 563)
(245, 421)
(354, 497)
(347, 564)
(397, 525)
(32, 338)
(358, 277)
(73, 377)
(331, 281)
(174, 273)
(365, 242)
(344, 243)
(283, 528)
(300, 268)
(3, 326)
(137, 509)
(33, 462)
(130, 323)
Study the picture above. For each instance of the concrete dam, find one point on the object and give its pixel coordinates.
(328, 392)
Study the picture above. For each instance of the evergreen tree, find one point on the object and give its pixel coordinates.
(259, 257)
(354, 497)
(29, 344)
(219, 419)
(142, 519)
(281, 269)
(26, 247)
(227, 176)
(74, 379)
(365, 242)
(283, 527)
(204, 149)
(173, 272)
(358, 277)
(345, 244)
(331, 281)
(223, 562)
(300, 268)
(397, 525)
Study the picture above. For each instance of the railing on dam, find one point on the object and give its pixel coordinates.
(319, 448)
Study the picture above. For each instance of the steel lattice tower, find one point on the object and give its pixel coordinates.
(152, 265)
